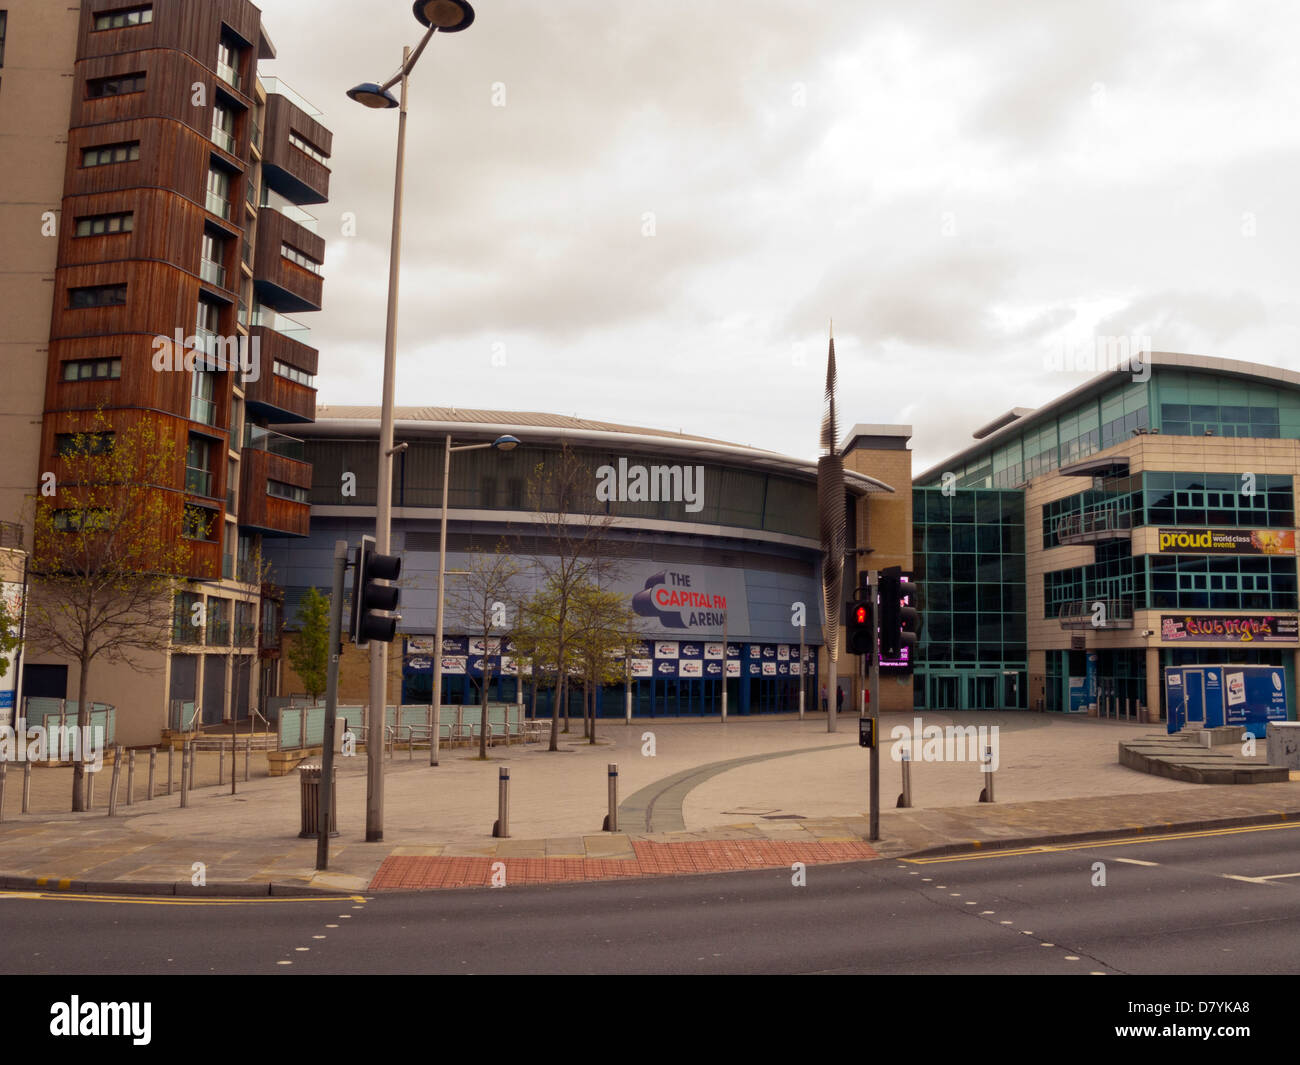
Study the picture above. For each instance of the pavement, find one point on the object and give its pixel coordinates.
(697, 796)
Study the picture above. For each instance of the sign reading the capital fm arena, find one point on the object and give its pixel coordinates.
(1219, 628)
(695, 599)
(1227, 541)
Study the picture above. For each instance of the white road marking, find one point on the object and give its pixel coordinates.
(1133, 861)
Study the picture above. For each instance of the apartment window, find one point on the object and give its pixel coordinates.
(228, 62)
(127, 16)
(198, 467)
(207, 319)
(301, 258)
(280, 490)
(218, 201)
(80, 520)
(306, 147)
(96, 296)
(120, 85)
(218, 633)
(69, 445)
(292, 373)
(93, 370)
(223, 128)
(199, 523)
(211, 268)
(111, 153)
(202, 407)
(100, 225)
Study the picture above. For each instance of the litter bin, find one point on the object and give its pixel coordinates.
(310, 774)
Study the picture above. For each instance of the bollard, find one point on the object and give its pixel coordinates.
(153, 767)
(4, 772)
(248, 755)
(27, 787)
(501, 830)
(611, 818)
(90, 791)
(221, 764)
(117, 776)
(171, 766)
(987, 794)
(905, 799)
(130, 778)
(185, 768)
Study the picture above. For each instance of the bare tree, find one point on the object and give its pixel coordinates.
(110, 548)
(569, 548)
(482, 600)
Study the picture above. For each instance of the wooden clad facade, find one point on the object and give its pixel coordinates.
(261, 510)
(298, 289)
(286, 163)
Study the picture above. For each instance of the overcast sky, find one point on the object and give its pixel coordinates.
(676, 197)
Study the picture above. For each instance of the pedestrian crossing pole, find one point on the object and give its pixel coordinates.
(325, 805)
(872, 589)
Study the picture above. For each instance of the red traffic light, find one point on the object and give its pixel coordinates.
(861, 615)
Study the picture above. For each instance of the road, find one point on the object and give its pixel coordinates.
(1213, 902)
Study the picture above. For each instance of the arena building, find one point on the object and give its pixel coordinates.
(734, 558)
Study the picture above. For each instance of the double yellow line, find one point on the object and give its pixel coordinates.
(1012, 852)
(169, 900)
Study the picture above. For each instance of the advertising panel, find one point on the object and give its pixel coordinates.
(1220, 628)
(1206, 541)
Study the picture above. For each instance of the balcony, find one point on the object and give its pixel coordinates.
(198, 482)
(285, 167)
(230, 76)
(1096, 614)
(212, 272)
(256, 438)
(224, 139)
(1094, 526)
(281, 283)
(203, 410)
(259, 510)
(273, 396)
(218, 205)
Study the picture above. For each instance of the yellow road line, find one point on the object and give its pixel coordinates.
(172, 900)
(1090, 844)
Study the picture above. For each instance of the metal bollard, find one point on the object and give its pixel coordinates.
(90, 791)
(185, 769)
(611, 818)
(501, 830)
(987, 794)
(221, 764)
(248, 756)
(153, 768)
(27, 787)
(130, 778)
(171, 766)
(194, 764)
(4, 772)
(905, 799)
(117, 776)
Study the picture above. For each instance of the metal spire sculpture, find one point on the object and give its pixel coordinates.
(834, 531)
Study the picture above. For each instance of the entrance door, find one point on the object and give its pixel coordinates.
(943, 691)
(1194, 686)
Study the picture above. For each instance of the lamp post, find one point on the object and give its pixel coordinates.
(501, 443)
(449, 16)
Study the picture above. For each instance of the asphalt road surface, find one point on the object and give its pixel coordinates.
(1220, 902)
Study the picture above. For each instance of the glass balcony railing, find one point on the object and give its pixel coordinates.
(218, 205)
(257, 136)
(224, 139)
(242, 315)
(213, 273)
(198, 481)
(203, 410)
(229, 75)
(276, 87)
(258, 439)
(282, 324)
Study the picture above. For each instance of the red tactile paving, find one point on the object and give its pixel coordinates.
(405, 873)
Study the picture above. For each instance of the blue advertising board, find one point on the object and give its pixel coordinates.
(1245, 695)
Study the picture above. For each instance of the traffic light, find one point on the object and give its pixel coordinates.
(859, 626)
(900, 623)
(374, 603)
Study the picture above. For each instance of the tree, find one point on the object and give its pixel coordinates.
(481, 599)
(110, 549)
(9, 639)
(604, 627)
(571, 530)
(309, 654)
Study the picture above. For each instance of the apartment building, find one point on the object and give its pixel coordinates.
(154, 256)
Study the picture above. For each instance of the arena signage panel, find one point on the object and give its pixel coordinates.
(1220, 628)
(1227, 541)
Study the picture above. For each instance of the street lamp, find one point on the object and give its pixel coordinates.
(448, 16)
(501, 443)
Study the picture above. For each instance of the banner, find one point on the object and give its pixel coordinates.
(1219, 628)
(1227, 541)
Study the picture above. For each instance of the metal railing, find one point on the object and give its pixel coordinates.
(218, 205)
(213, 273)
(1096, 613)
(1093, 524)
